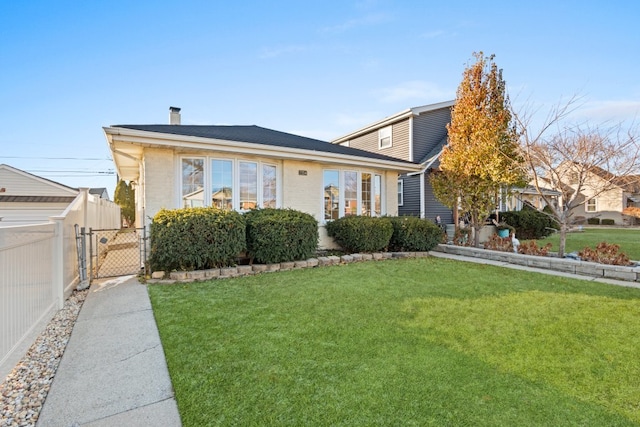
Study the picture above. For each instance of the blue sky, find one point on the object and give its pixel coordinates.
(314, 68)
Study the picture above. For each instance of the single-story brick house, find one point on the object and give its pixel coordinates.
(242, 167)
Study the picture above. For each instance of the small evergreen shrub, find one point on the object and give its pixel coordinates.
(607, 221)
(361, 233)
(593, 221)
(195, 239)
(411, 233)
(530, 223)
(280, 235)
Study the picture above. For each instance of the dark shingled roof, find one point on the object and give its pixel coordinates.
(37, 199)
(258, 135)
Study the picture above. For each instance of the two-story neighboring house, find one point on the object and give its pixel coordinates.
(416, 135)
(605, 195)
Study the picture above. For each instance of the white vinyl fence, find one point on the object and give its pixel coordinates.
(39, 269)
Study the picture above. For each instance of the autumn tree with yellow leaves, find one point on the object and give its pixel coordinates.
(482, 155)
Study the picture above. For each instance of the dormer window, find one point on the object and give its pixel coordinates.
(384, 138)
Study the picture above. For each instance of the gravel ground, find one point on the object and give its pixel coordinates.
(24, 390)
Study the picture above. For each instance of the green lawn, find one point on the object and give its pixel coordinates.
(627, 238)
(402, 342)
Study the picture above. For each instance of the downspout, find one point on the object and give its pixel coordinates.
(422, 175)
(411, 139)
(423, 208)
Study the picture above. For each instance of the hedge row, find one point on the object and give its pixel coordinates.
(280, 235)
(196, 239)
(202, 238)
(367, 234)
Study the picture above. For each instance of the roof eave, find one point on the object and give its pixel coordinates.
(117, 136)
(409, 112)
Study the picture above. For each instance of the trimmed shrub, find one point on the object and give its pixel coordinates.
(361, 233)
(593, 221)
(411, 233)
(196, 239)
(608, 221)
(529, 223)
(280, 235)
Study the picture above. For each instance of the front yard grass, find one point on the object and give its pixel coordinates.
(627, 238)
(402, 342)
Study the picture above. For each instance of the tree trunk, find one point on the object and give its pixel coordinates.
(563, 239)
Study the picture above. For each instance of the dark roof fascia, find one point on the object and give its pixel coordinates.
(36, 199)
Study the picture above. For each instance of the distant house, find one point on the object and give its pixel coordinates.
(242, 167)
(27, 199)
(518, 197)
(416, 135)
(100, 192)
(619, 193)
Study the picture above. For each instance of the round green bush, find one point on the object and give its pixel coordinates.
(530, 223)
(361, 233)
(280, 235)
(411, 233)
(195, 239)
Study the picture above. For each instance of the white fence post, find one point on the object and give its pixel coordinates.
(57, 279)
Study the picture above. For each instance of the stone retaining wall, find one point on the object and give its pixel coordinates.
(566, 265)
(248, 270)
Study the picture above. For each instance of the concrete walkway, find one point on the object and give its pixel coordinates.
(113, 372)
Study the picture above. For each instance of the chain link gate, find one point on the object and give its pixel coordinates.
(117, 252)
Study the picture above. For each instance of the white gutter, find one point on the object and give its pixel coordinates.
(427, 164)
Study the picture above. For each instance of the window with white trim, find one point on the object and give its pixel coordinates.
(377, 195)
(385, 139)
(222, 184)
(192, 191)
(351, 193)
(248, 185)
(331, 186)
(229, 183)
(591, 205)
(365, 191)
(269, 193)
(400, 192)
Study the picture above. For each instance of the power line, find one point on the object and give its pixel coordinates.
(54, 158)
(77, 170)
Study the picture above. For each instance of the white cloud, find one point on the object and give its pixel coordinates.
(616, 111)
(416, 90)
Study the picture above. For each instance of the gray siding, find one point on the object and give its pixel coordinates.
(399, 136)
(433, 207)
(411, 204)
(428, 130)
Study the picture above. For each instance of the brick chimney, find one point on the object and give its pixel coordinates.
(174, 115)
